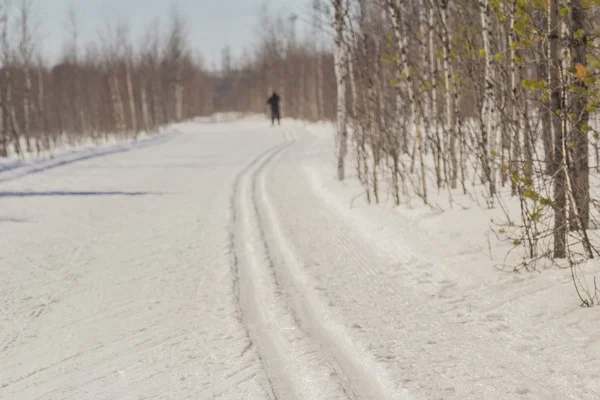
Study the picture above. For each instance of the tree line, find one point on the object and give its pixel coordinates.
(118, 85)
(300, 70)
(464, 95)
(111, 86)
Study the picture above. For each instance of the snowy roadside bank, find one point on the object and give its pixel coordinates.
(523, 333)
(15, 167)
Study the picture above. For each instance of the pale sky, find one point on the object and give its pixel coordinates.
(213, 24)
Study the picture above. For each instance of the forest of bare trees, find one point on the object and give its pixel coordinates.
(493, 99)
(301, 70)
(479, 96)
(111, 86)
(118, 85)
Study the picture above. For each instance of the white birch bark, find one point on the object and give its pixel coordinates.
(449, 94)
(179, 100)
(117, 101)
(560, 170)
(399, 25)
(488, 112)
(424, 28)
(433, 70)
(41, 108)
(145, 109)
(516, 139)
(134, 126)
(341, 76)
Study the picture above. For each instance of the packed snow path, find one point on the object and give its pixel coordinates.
(224, 261)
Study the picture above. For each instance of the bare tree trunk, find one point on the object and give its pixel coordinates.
(488, 114)
(134, 126)
(580, 167)
(158, 106)
(341, 75)
(401, 38)
(449, 89)
(12, 114)
(145, 110)
(42, 109)
(547, 138)
(4, 138)
(179, 100)
(119, 114)
(26, 48)
(4, 135)
(27, 109)
(318, 78)
(157, 102)
(516, 139)
(560, 199)
(357, 132)
(302, 114)
(433, 71)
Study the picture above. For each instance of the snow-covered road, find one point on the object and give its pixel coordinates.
(223, 261)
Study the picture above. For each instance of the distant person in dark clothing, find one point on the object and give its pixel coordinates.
(274, 102)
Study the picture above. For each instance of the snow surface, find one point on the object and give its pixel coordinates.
(224, 260)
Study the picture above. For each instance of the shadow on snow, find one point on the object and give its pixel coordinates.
(15, 220)
(4, 194)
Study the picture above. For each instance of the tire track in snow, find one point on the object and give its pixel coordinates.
(293, 361)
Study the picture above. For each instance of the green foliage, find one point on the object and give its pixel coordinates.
(590, 3)
(536, 4)
(531, 194)
(573, 146)
(579, 34)
(389, 59)
(427, 85)
(579, 90)
(534, 84)
(536, 215)
(592, 107)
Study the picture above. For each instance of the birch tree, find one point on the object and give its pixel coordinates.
(26, 52)
(556, 110)
(580, 114)
(450, 120)
(175, 55)
(488, 107)
(396, 11)
(339, 7)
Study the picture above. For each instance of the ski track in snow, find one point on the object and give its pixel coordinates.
(291, 358)
(224, 261)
